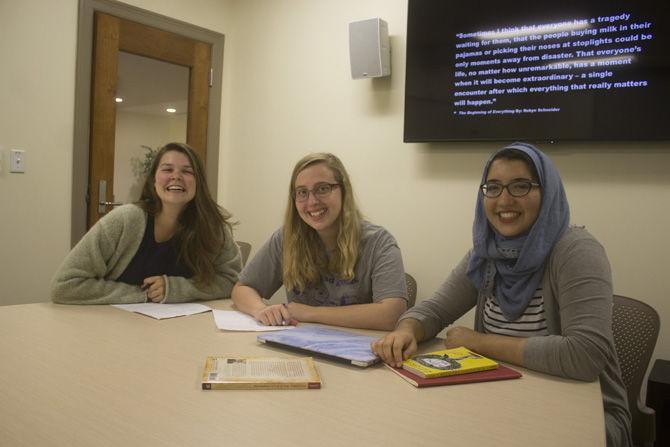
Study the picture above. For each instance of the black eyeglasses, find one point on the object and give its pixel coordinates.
(320, 191)
(518, 188)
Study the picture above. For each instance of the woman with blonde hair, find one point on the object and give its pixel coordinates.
(174, 245)
(337, 268)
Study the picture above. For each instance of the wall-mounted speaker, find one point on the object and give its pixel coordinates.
(369, 49)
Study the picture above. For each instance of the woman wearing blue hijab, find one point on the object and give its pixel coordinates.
(542, 288)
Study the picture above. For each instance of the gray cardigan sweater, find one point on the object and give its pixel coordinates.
(577, 293)
(88, 273)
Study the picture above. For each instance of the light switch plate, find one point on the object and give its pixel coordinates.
(17, 161)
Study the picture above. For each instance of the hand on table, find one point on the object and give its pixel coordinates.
(154, 288)
(395, 347)
(275, 315)
(458, 336)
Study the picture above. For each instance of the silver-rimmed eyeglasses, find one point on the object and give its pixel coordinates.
(517, 188)
(320, 191)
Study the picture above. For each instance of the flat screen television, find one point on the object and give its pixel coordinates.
(537, 70)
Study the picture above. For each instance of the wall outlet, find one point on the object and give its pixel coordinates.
(17, 161)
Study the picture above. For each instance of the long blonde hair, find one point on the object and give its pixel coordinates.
(200, 234)
(304, 257)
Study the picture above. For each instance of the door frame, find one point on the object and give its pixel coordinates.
(83, 78)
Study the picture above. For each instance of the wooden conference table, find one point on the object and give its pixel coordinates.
(100, 376)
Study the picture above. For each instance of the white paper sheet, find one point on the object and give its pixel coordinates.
(161, 311)
(233, 320)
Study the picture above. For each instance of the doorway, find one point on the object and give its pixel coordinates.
(111, 36)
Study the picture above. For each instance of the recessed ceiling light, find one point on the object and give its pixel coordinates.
(118, 99)
(170, 110)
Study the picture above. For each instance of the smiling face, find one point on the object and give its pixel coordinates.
(320, 213)
(174, 180)
(511, 216)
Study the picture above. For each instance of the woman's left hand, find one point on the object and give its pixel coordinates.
(500, 347)
(460, 336)
(154, 287)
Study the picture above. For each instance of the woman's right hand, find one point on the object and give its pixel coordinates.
(274, 315)
(396, 346)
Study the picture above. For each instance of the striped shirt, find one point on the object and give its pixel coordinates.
(531, 323)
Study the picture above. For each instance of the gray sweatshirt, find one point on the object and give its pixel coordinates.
(88, 273)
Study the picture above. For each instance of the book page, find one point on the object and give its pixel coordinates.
(233, 320)
(261, 368)
(161, 311)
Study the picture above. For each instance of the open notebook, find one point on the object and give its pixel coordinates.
(339, 346)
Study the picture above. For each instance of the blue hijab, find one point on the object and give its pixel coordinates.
(514, 266)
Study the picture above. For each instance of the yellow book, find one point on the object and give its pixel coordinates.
(244, 373)
(447, 362)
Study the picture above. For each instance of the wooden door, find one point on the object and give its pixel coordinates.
(114, 34)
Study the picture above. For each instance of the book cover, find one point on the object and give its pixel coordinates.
(502, 372)
(244, 373)
(333, 344)
(448, 362)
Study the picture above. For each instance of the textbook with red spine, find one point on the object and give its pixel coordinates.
(502, 372)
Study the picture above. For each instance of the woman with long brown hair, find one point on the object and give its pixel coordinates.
(173, 245)
(337, 268)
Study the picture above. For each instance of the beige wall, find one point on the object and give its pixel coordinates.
(37, 49)
(287, 91)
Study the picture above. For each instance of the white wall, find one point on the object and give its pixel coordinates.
(287, 91)
(37, 49)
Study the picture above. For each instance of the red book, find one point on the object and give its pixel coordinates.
(502, 372)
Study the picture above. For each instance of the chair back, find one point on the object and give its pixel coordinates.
(245, 249)
(635, 326)
(411, 290)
